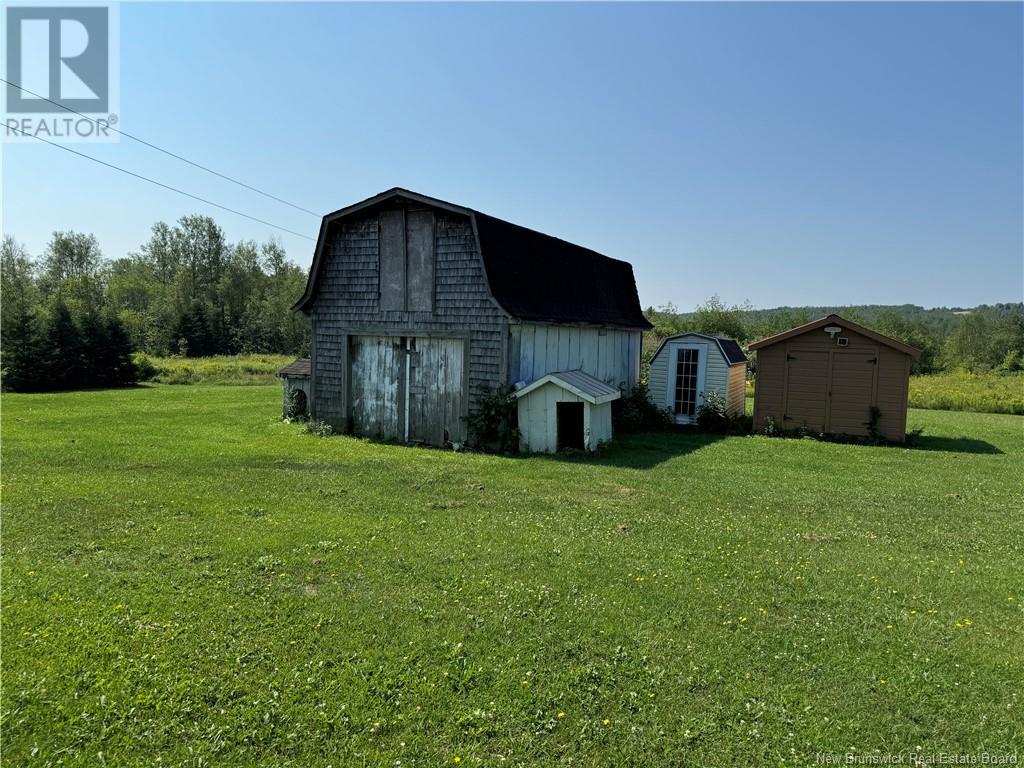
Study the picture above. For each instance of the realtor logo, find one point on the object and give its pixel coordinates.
(60, 60)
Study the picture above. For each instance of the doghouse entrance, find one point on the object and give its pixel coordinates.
(570, 425)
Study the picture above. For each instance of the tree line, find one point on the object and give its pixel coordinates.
(72, 318)
(983, 338)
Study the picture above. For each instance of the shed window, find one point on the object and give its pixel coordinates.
(686, 382)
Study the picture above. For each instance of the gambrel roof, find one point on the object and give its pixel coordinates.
(532, 276)
(730, 348)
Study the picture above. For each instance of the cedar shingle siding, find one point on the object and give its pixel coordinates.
(401, 296)
(348, 303)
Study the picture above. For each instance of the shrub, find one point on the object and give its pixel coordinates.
(145, 368)
(493, 425)
(636, 412)
(296, 408)
(319, 428)
(713, 413)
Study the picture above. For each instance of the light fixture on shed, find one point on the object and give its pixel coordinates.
(832, 330)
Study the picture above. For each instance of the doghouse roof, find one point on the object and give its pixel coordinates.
(532, 276)
(581, 384)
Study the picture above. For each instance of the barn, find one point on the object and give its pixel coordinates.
(686, 366)
(420, 309)
(828, 376)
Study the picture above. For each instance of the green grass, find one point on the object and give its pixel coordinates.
(220, 369)
(187, 578)
(963, 391)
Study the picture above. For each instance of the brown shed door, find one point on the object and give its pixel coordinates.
(852, 389)
(806, 389)
(829, 391)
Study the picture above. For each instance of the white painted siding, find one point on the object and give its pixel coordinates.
(716, 376)
(609, 354)
(538, 420)
(291, 384)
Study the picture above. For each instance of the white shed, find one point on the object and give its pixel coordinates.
(565, 409)
(688, 365)
(296, 383)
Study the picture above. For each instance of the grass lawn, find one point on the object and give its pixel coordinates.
(187, 578)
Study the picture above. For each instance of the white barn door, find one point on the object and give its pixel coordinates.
(409, 388)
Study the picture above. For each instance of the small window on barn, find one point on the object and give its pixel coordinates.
(407, 260)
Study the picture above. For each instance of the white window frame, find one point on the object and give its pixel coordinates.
(673, 365)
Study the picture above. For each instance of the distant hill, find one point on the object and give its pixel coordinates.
(938, 320)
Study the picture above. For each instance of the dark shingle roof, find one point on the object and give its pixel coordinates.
(730, 347)
(731, 350)
(299, 368)
(532, 276)
(538, 277)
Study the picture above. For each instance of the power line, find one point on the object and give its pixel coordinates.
(164, 151)
(159, 183)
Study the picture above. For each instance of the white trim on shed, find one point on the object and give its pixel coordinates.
(715, 372)
(540, 402)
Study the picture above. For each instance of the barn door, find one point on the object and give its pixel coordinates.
(375, 381)
(851, 392)
(806, 389)
(407, 388)
(435, 390)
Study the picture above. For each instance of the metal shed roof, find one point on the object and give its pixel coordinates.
(581, 384)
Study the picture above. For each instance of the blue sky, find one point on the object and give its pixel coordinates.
(777, 153)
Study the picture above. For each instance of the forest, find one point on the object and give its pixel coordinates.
(73, 318)
(976, 339)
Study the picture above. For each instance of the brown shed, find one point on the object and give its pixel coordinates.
(826, 376)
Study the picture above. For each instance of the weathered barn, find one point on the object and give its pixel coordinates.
(420, 308)
(688, 365)
(828, 375)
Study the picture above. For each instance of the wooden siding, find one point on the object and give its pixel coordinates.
(737, 396)
(795, 377)
(348, 303)
(377, 387)
(716, 375)
(538, 422)
(609, 354)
